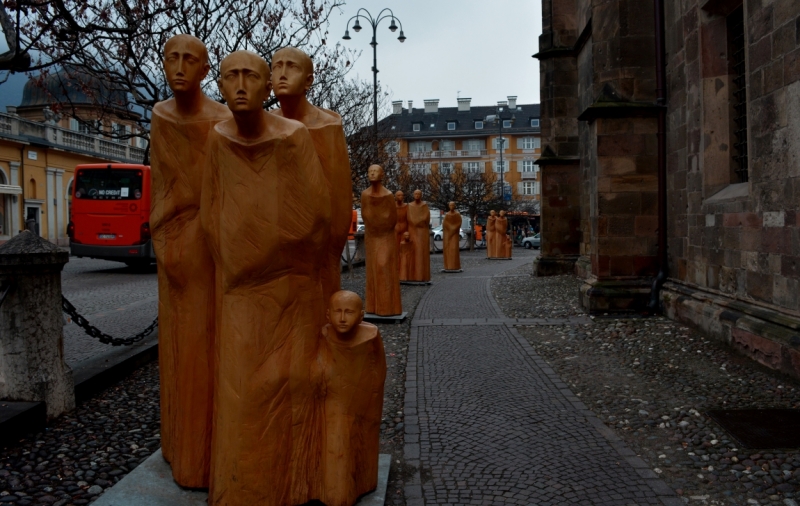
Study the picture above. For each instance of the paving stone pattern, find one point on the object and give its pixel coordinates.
(489, 422)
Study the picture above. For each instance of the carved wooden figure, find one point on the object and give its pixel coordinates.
(186, 300)
(266, 212)
(507, 246)
(452, 239)
(292, 77)
(402, 221)
(419, 226)
(406, 256)
(490, 234)
(501, 230)
(353, 364)
(379, 211)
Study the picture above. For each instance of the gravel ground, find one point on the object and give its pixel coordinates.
(652, 381)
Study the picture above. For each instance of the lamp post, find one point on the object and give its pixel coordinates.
(495, 118)
(374, 23)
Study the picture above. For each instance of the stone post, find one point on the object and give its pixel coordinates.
(32, 366)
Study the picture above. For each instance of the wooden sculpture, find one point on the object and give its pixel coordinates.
(507, 245)
(406, 256)
(186, 300)
(419, 226)
(490, 234)
(354, 370)
(500, 231)
(452, 239)
(266, 212)
(292, 77)
(379, 211)
(402, 220)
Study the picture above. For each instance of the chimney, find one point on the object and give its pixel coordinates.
(11, 109)
(501, 105)
(512, 102)
(432, 105)
(463, 104)
(397, 107)
(410, 106)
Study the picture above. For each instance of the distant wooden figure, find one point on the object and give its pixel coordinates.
(452, 239)
(406, 256)
(402, 220)
(490, 235)
(419, 226)
(507, 245)
(353, 364)
(379, 212)
(500, 231)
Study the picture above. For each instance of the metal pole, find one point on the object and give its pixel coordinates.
(375, 79)
(502, 169)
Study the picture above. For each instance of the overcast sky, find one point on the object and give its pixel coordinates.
(467, 48)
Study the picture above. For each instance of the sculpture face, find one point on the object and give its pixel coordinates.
(292, 72)
(185, 63)
(375, 173)
(492, 213)
(244, 81)
(417, 195)
(502, 213)
(345, 311)
(452, 206)
(399, 197)
(406, 237)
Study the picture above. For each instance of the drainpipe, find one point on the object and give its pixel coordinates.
(661, 100)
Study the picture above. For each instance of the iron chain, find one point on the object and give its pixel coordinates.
(98, 334)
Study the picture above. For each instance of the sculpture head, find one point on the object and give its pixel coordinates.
(345, 312)
(244, 81)
(493, 214)
(452, 206)
(375, 174)
(406, 237)
(399, 197)
(502, 214)
(292, 72)
(185, 63)
(417, 195)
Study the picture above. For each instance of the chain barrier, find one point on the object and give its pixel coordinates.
(98, 334)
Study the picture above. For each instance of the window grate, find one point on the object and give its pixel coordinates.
(739, 93)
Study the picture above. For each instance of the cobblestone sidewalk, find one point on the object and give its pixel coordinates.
(487, 421)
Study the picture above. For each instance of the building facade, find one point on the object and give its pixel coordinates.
(434, 138)
(712, 128)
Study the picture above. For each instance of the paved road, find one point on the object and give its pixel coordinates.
(489, 422)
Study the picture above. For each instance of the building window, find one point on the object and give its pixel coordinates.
(496, 143)
(529, 143)
(736, 42)
(472, 167)
(506, 123)
(451, 125)
(433, 125)
(447, 145)
(529, 188)
(141, 142)
(392, 147)
(479, 125)
(528, 166)
(446, 168)
(416, 127)
(498, 165)
(83, 127)
(534, 123)
(474, 144)
(423, 168)
(419, 146)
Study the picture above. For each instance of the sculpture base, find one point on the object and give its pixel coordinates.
(151, 484)
(452, 271)
(374, 318)
(500, 258)
(415, 283)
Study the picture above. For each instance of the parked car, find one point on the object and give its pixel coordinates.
(534, 241)
(438, 234)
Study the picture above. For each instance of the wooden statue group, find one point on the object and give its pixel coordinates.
(498, 241)
(271, 384)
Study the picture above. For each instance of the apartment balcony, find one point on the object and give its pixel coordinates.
(529, 175)
(457, 153)
(14, 126)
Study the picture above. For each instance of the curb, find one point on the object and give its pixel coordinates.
(91, 376)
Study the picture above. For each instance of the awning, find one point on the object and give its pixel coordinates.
(10, 189)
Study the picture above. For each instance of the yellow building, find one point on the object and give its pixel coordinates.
(38, 159)
(433, 138)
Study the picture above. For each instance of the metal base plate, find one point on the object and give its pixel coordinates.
(452, 271)
(374, 318)
(761, 428)
(500, 258)
(415, 283)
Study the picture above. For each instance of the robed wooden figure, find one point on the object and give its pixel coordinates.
(402, 220)
(292, 77)
(419, 226)
(379, 211)
(266, 212)
(502, 242)
(452, 239)
(186, 300)
(491, 236)
(353, 364)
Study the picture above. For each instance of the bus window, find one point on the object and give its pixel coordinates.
(108, 184)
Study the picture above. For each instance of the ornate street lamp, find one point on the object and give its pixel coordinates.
(374, 23)
(497, 120)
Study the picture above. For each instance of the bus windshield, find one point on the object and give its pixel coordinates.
(108, 184)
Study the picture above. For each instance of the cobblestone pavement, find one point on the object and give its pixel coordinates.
(118, 300)
(489, 422)
(652, 380)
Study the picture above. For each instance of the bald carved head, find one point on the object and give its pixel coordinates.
(244, 81)
(185, 63)
(345, 312)
(375, 173)
(292, 72)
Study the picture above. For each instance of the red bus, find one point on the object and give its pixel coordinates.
(111, 213)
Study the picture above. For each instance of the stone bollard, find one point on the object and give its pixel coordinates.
(32, 366)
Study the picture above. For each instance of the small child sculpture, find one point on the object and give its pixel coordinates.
(353, 365)
(406, 256)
